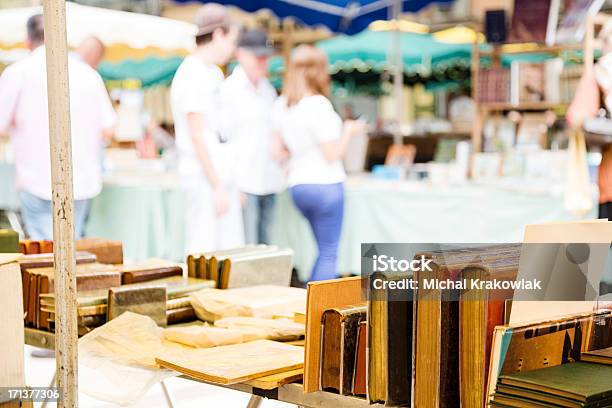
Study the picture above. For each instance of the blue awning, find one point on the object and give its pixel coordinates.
(340, 16)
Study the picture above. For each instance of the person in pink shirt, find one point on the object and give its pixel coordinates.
(24, 113)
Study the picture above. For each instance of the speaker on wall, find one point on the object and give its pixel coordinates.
(495, 26)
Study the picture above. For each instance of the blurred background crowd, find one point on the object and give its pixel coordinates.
(316, 125)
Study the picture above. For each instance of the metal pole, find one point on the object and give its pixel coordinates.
(398, 70)
(63, 202)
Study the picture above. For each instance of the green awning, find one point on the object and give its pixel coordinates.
(147, 72)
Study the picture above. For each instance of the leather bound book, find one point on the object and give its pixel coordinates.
(377, 349)
(338, 345)
(46, 247)
(191, 266)
(480, 310)
(180, 315)
(436, 363)
(399, 352)
(360, 375)
(106, 250)
(32, 297)
(25, 289)
(149, 270)
(31, 246)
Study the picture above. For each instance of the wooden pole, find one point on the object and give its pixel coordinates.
(63, 202)
(398, 71)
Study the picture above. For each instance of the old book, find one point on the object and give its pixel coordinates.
(235, 363)
(531, 346)
(399, 350)
(11, 317)
(180, 315)
(323, 295)
(9, 241)
(256, 301)
(149, 301)
(45, 260)
(580, 382)
(191, 266)
(29, 246)
(178, 303)
(148, 270)
(436, 343)
(377, 349)
(360, 375)
(602, 356)
(338, 346)
(534, 21)
(176, 287)
(30, 315)
(107, 251)
(89, 276)
(480, 310)
(245, 270)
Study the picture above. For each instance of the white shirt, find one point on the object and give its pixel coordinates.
(303, 128)
(195, 89)
(23, 111)
(247, 116)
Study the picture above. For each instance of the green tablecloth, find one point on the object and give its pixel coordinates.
(378, 213)
(146, 214)
(148, 218)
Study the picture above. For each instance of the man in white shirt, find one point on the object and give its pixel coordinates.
(213, 214)
(24, 112)
(247, 98)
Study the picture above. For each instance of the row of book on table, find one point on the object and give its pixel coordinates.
(106, 287)
(437, 351)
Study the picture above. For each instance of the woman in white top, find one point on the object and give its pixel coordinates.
(312, 137)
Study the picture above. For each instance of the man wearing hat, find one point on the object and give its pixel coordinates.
(247, 98)
(213, 214)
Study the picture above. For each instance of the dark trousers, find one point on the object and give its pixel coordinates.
(605, 210)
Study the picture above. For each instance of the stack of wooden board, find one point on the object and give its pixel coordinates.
(93, 304)
(246, 266)
(569, 385)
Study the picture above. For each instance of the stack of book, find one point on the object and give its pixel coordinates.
(93, 305)
(245, 266)
(569, 385)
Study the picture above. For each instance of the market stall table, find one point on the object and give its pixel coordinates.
(389, 211)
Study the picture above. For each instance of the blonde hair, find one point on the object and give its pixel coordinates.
(307, 74)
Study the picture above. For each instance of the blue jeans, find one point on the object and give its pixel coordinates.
(38, 219)
(323, 207)
(257, 215)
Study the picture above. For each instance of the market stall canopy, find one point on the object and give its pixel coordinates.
(134, 42)
(364, 57)
(339, 16)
